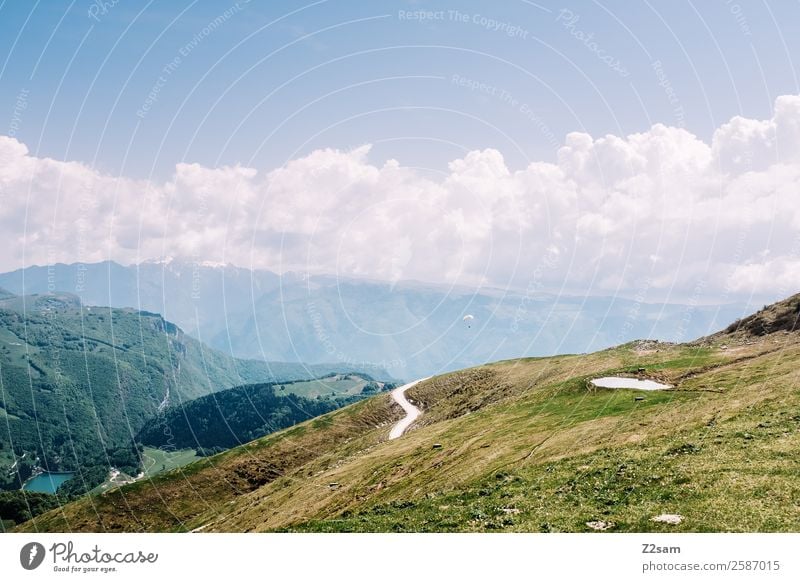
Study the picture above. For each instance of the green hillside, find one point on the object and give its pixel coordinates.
(77, 383)
(238, 415)
(522, 445)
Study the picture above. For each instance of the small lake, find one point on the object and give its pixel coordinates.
(46, 482)
(630, 383)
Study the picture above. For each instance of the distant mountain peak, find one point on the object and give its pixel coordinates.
(180, 262)
(165, 260)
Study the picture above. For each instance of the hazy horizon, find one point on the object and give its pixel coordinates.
(193, 263)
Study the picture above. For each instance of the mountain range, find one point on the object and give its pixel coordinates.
(410, 329)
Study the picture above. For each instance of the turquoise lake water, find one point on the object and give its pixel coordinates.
(46, 482)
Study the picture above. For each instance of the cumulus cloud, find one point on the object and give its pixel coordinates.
(659, 209)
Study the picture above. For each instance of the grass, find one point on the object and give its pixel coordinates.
(706, 475)
(159, 461)
(520, 446)
(334, 386)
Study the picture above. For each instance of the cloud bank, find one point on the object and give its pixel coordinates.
(659, 210)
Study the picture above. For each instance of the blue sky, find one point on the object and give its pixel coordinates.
(378, 77)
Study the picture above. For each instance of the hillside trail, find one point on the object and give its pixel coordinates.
(412, 412)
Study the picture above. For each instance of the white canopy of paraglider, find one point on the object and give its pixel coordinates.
(468, 319)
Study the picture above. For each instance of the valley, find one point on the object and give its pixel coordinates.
(78, 383)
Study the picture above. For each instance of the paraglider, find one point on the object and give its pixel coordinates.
(468, 320)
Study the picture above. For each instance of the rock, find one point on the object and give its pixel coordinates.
(639, 398)
(670, 518)
(437, 446)
(600, 525)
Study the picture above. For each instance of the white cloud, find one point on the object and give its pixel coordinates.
(773, 276)
(611, 213)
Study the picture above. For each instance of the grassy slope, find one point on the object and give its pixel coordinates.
(175, 500)
(341, 385)
(525, 446)
(157, 461)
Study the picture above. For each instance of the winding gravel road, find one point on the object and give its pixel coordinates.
(412, 412)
